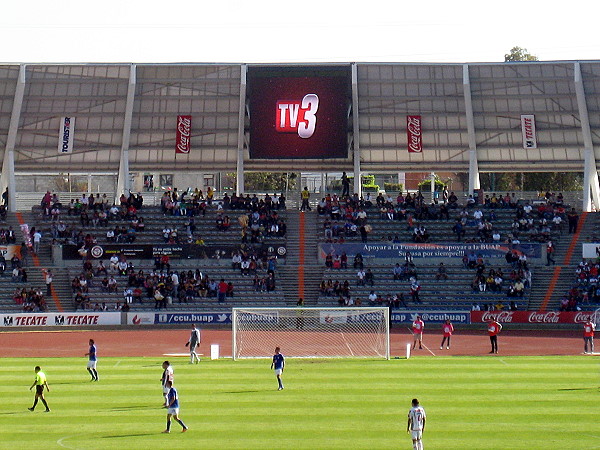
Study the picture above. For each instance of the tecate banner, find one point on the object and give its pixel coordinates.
(184, 134)
(528, 131)
(59, 319)
(66, 133)
(550, 317)
(431, 316)
(186, 317)
(414, 134)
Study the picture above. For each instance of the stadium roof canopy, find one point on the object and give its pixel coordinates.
(471, 118)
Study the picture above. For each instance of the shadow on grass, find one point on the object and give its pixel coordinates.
(243, 392)
(579, 389)
(127, 435)
(134, 408)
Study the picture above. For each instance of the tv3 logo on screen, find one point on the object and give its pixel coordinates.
(298, 117)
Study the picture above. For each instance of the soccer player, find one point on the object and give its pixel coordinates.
(416, 424)
(278, 363)
(417, 328)
(588, 336)
(167, 376)
(193, 344)
(493, 329)
(173, 408)
(91, 365)
(40, 383)
(447, 330)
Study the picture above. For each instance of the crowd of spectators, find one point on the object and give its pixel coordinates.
(31, 300)
(585, 288)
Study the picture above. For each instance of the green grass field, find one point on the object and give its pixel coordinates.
(471, 403)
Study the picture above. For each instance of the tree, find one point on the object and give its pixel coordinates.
(267, 181)
(519, 54)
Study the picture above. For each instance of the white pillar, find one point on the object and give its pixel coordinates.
(590, 172)
(8, 164)
(123, 182)
(473, 165)
(356, 133)
(239, 178)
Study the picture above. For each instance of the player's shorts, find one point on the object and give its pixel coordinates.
(278, 371)
(193, 348)
(166, 390)
(416, 435)
(91, 364)
(39, 389)
(418, 335)
(173, 411)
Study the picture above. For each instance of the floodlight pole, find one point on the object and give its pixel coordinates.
(356, 133)
(473, 164)
(123, 181)
(239, 178)
(590, 172)
(8, 164)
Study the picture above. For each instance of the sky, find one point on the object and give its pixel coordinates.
(286, 31)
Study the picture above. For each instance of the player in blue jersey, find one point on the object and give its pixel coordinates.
(278, 363)
(173, 410)
(92, 360)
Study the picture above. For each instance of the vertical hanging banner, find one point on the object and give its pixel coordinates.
(184, 133)
(413, 132)
(65, 134)
(528, 131)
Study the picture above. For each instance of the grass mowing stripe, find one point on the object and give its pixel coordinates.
(470, 402)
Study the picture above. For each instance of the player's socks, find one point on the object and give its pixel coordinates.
(182, 424)
(45, 404)
(35, 402)
(168, 430)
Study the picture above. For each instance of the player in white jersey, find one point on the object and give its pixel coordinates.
(416, 424)
(167, 375)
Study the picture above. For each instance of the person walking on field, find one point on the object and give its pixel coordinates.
(447, 330)
(588, 336)
(493, 329)
(416, 424)
(40, 383)
(193, 343)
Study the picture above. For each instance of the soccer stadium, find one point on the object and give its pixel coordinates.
(336, 211)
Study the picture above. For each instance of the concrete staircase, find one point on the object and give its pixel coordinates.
(313, 272)
(589, 232)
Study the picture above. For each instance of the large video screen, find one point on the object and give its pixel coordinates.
(299, 112)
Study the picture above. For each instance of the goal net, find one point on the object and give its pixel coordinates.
(311, 332)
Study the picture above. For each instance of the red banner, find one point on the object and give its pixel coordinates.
(184, 133)
(414, 134)
(572, 317)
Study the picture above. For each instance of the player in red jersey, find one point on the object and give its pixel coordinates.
(417, 328)
(447, 330)
(588, 336)
(493, 330)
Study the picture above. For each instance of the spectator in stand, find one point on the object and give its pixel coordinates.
(573, 220)
(442, 273)
(37, 238)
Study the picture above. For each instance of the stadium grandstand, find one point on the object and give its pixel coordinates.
(125, 186)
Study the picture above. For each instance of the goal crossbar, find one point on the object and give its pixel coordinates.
(317, 332)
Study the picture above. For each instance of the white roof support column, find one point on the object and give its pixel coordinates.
(473, 165)
(123, 182)
(8, 164)
(239, 178)
(356, 133)
(590, 172)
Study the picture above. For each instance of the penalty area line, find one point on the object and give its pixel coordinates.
(426, 348)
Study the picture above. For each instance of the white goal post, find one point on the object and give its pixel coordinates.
(311, 332)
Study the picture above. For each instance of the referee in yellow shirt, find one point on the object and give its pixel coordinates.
(40, 382)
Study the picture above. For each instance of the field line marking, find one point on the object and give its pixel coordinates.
(427, 348)
(117, 363)
(60, 442)
(347, 345)
(503, 362)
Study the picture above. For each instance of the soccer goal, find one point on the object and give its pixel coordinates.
(311, 332)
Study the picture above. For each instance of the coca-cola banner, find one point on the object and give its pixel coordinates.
(414, 134)
(184, 134)
(528, 131)
(550, 317)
